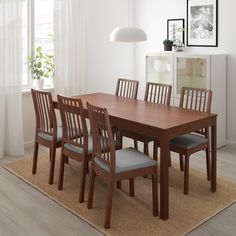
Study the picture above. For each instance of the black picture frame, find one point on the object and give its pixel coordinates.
(175, 34)
(202, 23)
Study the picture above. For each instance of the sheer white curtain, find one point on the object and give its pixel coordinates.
(11, 132)
(70, 46)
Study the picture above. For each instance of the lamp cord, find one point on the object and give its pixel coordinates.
(128, 13)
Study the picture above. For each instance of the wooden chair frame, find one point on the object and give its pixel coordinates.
(74, 133)
(127, 88)
(101, 130)
(199, 100)
(46, 123)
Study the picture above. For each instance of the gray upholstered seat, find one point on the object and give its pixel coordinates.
(49, 137)
(90, 146)
(188, 141)
(128, 159)
(79, 150)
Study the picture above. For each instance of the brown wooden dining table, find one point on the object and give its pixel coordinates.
(161, 122)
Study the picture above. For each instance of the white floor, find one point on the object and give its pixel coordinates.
(25, 211)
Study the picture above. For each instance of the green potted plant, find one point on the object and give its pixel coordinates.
(41, 66)
(168, 45)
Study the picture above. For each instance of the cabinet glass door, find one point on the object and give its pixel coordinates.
(191, 72)
(159, 69)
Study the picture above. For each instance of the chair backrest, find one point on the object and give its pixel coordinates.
(198, 100)
(74, 128)
(158, 93)
(127, 88)
(103, 143)
(44, 111)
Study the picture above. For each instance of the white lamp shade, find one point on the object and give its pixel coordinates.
(128, 34)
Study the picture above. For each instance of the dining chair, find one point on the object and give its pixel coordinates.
(47, 133)
(187, 144)
(76, 141)
(113, 166)
(127, 88)
(155, 93)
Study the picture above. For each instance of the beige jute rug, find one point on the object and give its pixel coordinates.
(133, 216)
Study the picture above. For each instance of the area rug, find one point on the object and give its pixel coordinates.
(133, 215)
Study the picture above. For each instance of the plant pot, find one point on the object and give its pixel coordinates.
(38, 84)
(168, 46)
(52, 82)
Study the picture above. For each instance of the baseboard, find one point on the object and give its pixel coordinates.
(231, 143)
(29, 144)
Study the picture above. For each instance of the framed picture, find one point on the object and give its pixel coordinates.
(202, 23)
(175, 30)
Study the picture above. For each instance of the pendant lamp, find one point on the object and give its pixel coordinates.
(128, 34)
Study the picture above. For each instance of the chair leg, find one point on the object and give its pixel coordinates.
(35, 158)
(120, 139)
(145, 148)
(135, 144)
(186, 174)
(170, 159)
(181, 162)
(61, 172)
(118, 184)
(82, 181)
(91, 189)
(154, 194)
(131, 187)
(52, 165)
(145, 151)
(108, 205)
(66, 160)
(208, 164)
(87, 167)
(155, 151)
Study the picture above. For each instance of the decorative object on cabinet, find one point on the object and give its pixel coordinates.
(202, 23)
(175, 30)
(179, 46)
(168, 44)
(207, 71)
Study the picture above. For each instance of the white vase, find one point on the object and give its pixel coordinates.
(38, 83)
(52, 83)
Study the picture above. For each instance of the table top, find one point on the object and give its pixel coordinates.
(162, 116)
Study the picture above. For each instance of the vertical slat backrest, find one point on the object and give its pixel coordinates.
(44, 112)
(127, 88)
(103, 143)
(158, 93)
(196, 99)
(74, 128)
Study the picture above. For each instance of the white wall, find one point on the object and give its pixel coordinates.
(152, 15)
(107, 60)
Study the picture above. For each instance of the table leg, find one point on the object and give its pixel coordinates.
(213, 155)
(164, 178)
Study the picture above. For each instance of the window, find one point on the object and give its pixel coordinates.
(37, 32)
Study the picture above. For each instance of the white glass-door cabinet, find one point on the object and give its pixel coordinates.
(193, 70)
(159, 69)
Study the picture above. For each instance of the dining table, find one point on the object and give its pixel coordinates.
(160, 122)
